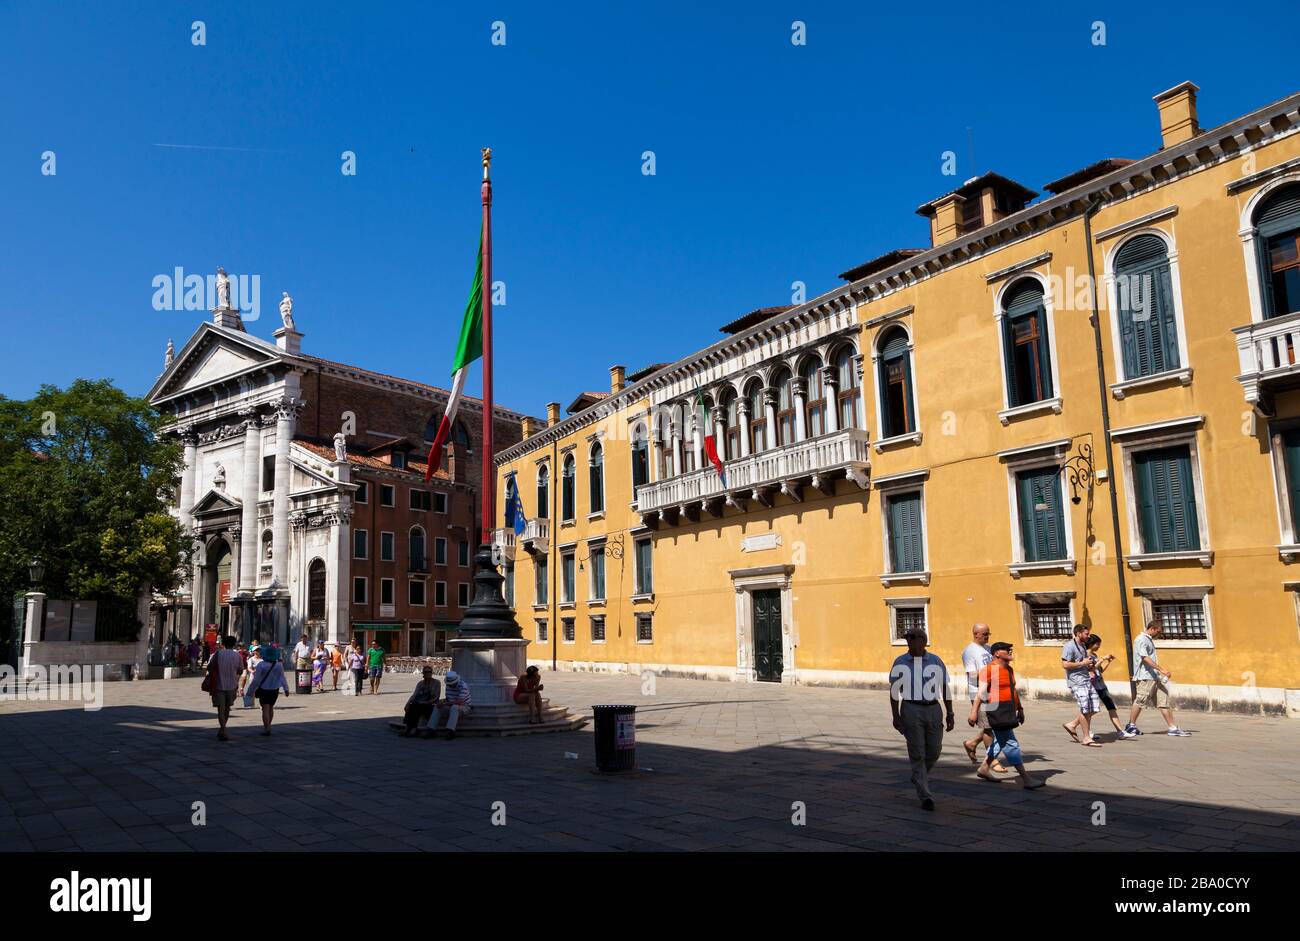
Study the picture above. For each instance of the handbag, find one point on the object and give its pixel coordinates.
(207, 685)
(1003, 715)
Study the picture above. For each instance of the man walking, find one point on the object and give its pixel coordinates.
(997, 688)
(302, 654)
(1079, 665)
(225, 669)
(375, 664)
(1152, 682)
(973, 659)
(917, 682)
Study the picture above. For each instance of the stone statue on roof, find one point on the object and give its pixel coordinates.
(223, 289)
(170, 356)
(340, 447)
(286, 310)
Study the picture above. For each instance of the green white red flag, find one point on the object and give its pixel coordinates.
(468, 349)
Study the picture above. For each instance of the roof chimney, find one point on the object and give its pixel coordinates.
(1177, 114)
(944, 225)
(528, 426)
(617, 378)
(552, 413)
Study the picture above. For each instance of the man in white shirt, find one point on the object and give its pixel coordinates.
(1152, 680)
(973, 657)
(302, 654)
(917, 682)
(225, 669)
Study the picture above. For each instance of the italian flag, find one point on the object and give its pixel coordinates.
(468, 349)
(710, 442)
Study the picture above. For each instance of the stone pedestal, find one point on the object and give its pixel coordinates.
(491, 666)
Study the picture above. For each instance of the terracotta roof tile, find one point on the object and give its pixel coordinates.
(413, 468)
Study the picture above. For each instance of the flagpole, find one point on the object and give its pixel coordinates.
(487, 461)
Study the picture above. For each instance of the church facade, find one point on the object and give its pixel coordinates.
(303, 487)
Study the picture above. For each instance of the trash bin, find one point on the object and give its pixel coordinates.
(126, 672)
(303, 680)
(615, 737)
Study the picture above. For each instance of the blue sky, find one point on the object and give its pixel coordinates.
(774, 162)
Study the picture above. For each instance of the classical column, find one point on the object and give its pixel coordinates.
(697, 440)
(799, 388)
(859, 363)
(249, 544)
(656, 455)
(769, 409)
(676, 432)
(338, 575)
(286, 414)
(830, 381)
(190, 440)
(720, 431)
(742, 413)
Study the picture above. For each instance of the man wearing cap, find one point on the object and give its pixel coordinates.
(419, 708)
(454, 706)
(917, 682)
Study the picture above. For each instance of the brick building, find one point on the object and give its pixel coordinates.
(304, 491)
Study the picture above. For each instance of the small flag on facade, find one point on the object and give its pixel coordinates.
(710, 442)
(468, 349)
(514, 506)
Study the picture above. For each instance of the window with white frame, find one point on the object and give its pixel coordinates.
(541, 582)
(597, 628)
(440, 503)
(1026, 345)
(385, 591)
(462, 594)
(896, 397)
(387, 495)
(597, 562)
(1047, 617)
(359, 589)
(645, 633)
(360, 544)
(1040, 514)
(905, 614)
(1144, 297)
(440, 594)
(1165, 497)
(1276, 243)
(419, 500)
(596, 477)
(645, 582)
(568, 634)
(415, 592)
(439, 550)
(462, 554)
(541, 630)
(904, 515)
(363, 492)
(385, 547)
(568, 578)
(1285, 441)
(1182, 611)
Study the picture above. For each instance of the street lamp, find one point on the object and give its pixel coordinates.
(1079, 472)
(36, 570)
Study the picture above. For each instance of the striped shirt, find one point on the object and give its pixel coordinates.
(458, 694)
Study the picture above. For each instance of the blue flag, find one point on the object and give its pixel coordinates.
(514, 506)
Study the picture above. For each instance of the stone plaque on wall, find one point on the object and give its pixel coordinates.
(760, 542)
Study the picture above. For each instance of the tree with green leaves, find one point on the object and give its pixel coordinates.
(86, 482)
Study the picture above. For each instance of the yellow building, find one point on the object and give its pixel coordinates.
(912, 447)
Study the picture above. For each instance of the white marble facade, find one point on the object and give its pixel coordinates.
(234, 400)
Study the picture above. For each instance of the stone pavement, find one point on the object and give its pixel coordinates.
(722, 764)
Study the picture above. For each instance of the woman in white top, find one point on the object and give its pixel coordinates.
(268, 680)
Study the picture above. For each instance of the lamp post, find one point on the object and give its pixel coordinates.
(36, 571)
(1079, 472)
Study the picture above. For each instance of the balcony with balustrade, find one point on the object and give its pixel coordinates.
(787, 470)
(536, 539)
(503, 545)
(1269, 353)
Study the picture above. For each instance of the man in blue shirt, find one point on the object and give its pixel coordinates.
(918, 681)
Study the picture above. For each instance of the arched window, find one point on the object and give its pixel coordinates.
(431, 427)
(568, 489)
(543, 491)
(415, 549)
(1024, 344)
(781, 381)
(896, 399)
(460, 434)
(757, 418)
(266, 546)
(686, 422)
(815, 397)
(664, 437)
(731, 408)
(316, 590)
(849, 389)
(641, 457)
(596, 477)
(1277, 222)
(1148, 329)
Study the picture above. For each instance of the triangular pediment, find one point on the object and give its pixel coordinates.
(214, 355)
(215, 502)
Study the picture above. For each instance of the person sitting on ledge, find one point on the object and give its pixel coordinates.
(419, 708)
(528, 692)
(455, 705)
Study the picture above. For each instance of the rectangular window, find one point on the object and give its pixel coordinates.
(906, 542)
(417, 640)
(462, 554)
(386, 544)
(360, 544)
(439, 551)
(568, 586)
(440, 503)
(540, 582)
(1180, 620)
(415, 591)
(1041, 515)
(1029, 374)
(385, 591)
(645, 581)
(1049, 621)
(569, 634)
(645, 633)
(1289, 442)
(439, 642)
(363, 492)
(1284, 274)
(1166, 499)
(541, 631)
(898, 397)
(419, 499)
(906, 618)
(598, 630)
(440, 594)
(387, 495)
(268, 473)
(598, 574)
(399, 460)
(509, 584)
(359, 590)
(462, 594)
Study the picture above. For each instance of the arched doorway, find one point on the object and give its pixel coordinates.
(316, 585)
(219, 574)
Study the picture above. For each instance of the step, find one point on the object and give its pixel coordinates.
(566, 724)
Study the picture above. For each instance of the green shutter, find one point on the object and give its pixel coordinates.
(907, 551)
(1025, 513)
(1025, 300)
(1042, 523)
(1291, 454)
(1147, 515)
(1280, 213)
(1009, 356)
(1150, 345)
(1167, 500)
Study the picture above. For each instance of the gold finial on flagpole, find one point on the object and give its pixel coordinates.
(487, 159)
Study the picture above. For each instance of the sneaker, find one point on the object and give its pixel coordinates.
(1181, 733)
(1127, 734)
(927, 804)
(1132, 729)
